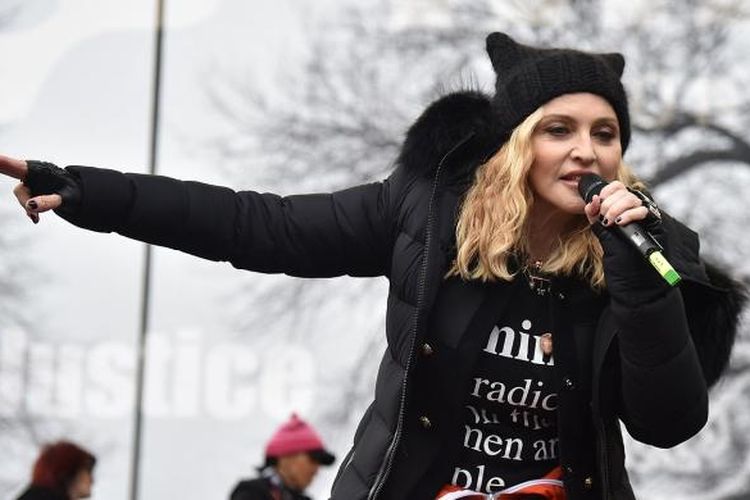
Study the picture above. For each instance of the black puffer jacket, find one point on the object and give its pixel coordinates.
(403, 228)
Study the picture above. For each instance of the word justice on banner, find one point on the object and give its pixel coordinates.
(185, 378)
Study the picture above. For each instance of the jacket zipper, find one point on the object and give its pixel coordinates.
(603, 446)
(385, 468)
(604, 458)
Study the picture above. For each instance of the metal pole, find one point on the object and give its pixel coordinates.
(146, 290)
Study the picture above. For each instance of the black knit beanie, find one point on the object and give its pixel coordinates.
(528, 77)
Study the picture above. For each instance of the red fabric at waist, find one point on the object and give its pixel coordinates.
(550, 487)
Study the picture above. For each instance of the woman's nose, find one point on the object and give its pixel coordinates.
(583, 150)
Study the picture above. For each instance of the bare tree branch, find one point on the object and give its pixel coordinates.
(684, 164)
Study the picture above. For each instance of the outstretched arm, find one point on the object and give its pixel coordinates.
(317, 235)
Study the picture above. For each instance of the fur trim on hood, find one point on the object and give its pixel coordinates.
(461, 117)
(714, 320)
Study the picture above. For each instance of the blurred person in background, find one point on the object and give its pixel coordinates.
(63, 471)
(292, 458)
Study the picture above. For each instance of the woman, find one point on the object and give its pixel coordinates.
(521, 330)
(63, 471)
(293, 455)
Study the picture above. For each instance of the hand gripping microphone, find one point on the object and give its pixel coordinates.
(642, 240)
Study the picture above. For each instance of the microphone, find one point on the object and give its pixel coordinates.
(641, 240)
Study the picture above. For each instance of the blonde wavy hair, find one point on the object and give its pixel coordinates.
(492, 225)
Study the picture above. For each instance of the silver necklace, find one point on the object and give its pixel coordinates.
(538, 281)
(542, 285)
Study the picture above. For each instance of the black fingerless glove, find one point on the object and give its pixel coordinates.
(630, 278)
(47, 178)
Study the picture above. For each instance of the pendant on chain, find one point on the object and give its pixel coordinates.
(538, 283)
(545, 343)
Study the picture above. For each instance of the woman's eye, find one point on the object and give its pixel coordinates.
(605, 135)
(557, 130)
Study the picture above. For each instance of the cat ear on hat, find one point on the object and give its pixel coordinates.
(505, 52)
(616, 62)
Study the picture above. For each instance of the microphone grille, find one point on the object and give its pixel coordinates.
(589, 185)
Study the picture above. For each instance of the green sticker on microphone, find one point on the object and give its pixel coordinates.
(664, 268)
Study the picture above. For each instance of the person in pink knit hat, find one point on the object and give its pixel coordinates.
(292, 457)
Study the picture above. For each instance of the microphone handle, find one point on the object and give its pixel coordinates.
(651, 250)
(641, 239)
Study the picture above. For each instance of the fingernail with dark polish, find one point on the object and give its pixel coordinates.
(618, 220)
(605, 221)
(32, 204)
